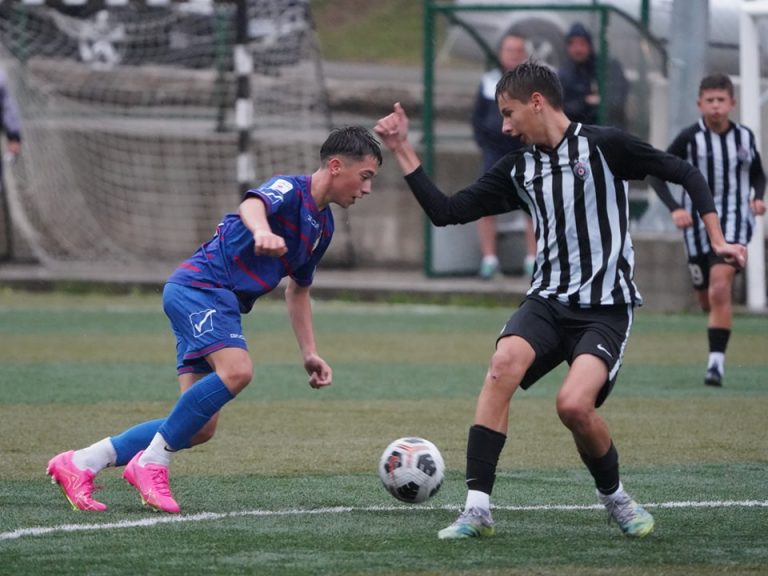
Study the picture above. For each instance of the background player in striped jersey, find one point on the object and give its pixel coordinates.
(283, 228)
(726, 153)
(571, 179)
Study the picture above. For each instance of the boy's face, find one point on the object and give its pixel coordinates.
(716, 105)
(352, 179)
(518, 118)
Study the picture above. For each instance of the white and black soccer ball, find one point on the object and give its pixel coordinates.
(412, 469)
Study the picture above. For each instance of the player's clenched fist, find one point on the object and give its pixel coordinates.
(265, 243)
(393, 128)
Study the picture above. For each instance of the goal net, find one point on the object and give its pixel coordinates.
(128, 122)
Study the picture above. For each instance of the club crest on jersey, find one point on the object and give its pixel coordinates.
(202, 322)
(580, 169)
(743, 154)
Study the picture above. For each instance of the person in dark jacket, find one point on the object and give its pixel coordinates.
(494, 144)
(579, 78)
(10, 125)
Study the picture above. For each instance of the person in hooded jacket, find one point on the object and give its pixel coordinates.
(579, 78)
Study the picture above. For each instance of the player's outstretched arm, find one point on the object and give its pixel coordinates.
(393, 131)
(300, 313)
(461, 207)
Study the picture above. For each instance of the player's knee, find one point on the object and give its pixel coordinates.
(506, 369)
(719, 294)
(236, 376)
(574, 413)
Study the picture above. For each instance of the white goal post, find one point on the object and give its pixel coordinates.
(749, 61)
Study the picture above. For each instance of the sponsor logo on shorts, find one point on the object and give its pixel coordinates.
(237, 336)
(202, 322)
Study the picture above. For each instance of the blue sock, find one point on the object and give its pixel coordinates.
(131, 441)
(193, 409)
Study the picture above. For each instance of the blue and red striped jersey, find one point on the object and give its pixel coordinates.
(228, 260)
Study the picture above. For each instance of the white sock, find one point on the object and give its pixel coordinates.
(717, 359)
(95, 457)
(156, 453)
(477, 499)
(491, 259)
(608, 497)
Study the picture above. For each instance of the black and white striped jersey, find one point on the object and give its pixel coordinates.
(577, 197)
(731, 165)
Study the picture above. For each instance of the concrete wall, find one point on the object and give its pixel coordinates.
(388, 228)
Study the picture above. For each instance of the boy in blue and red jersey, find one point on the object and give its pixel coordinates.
(282, 229)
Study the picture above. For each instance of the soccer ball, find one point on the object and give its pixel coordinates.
(412, 469)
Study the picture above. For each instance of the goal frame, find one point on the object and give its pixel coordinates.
(749, 65)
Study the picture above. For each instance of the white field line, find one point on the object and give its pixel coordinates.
(207, 516)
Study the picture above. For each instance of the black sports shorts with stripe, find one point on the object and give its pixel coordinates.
(559, 333)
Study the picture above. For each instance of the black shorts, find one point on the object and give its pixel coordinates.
(699, 267)
(558, 333)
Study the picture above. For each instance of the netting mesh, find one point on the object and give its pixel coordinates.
(129, 143)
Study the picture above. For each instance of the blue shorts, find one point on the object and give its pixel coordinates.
(204, 320)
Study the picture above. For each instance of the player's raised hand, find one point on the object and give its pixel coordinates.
(266, 243)
(320, 373)
(393, 128)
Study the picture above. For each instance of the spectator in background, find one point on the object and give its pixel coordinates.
(10, 123)
(493, 143)
(579, 77)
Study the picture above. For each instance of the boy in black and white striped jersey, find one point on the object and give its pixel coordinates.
(726, 153)
(572, 180)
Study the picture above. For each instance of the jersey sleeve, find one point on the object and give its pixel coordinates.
(756, 173)
(632, 159)
(493, 193)
(679, 148)
(274, 192)
(664, 193)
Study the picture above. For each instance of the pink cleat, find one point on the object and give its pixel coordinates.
(152, 483)
(76, 484)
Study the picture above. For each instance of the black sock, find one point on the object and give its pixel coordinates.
(718, 339)
(483, 449)
(605, 470)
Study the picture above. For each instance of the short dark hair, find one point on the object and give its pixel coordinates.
(529, 77)
(353, 142)
(716, 81)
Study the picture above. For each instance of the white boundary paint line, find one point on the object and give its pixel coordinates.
(207, 516)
